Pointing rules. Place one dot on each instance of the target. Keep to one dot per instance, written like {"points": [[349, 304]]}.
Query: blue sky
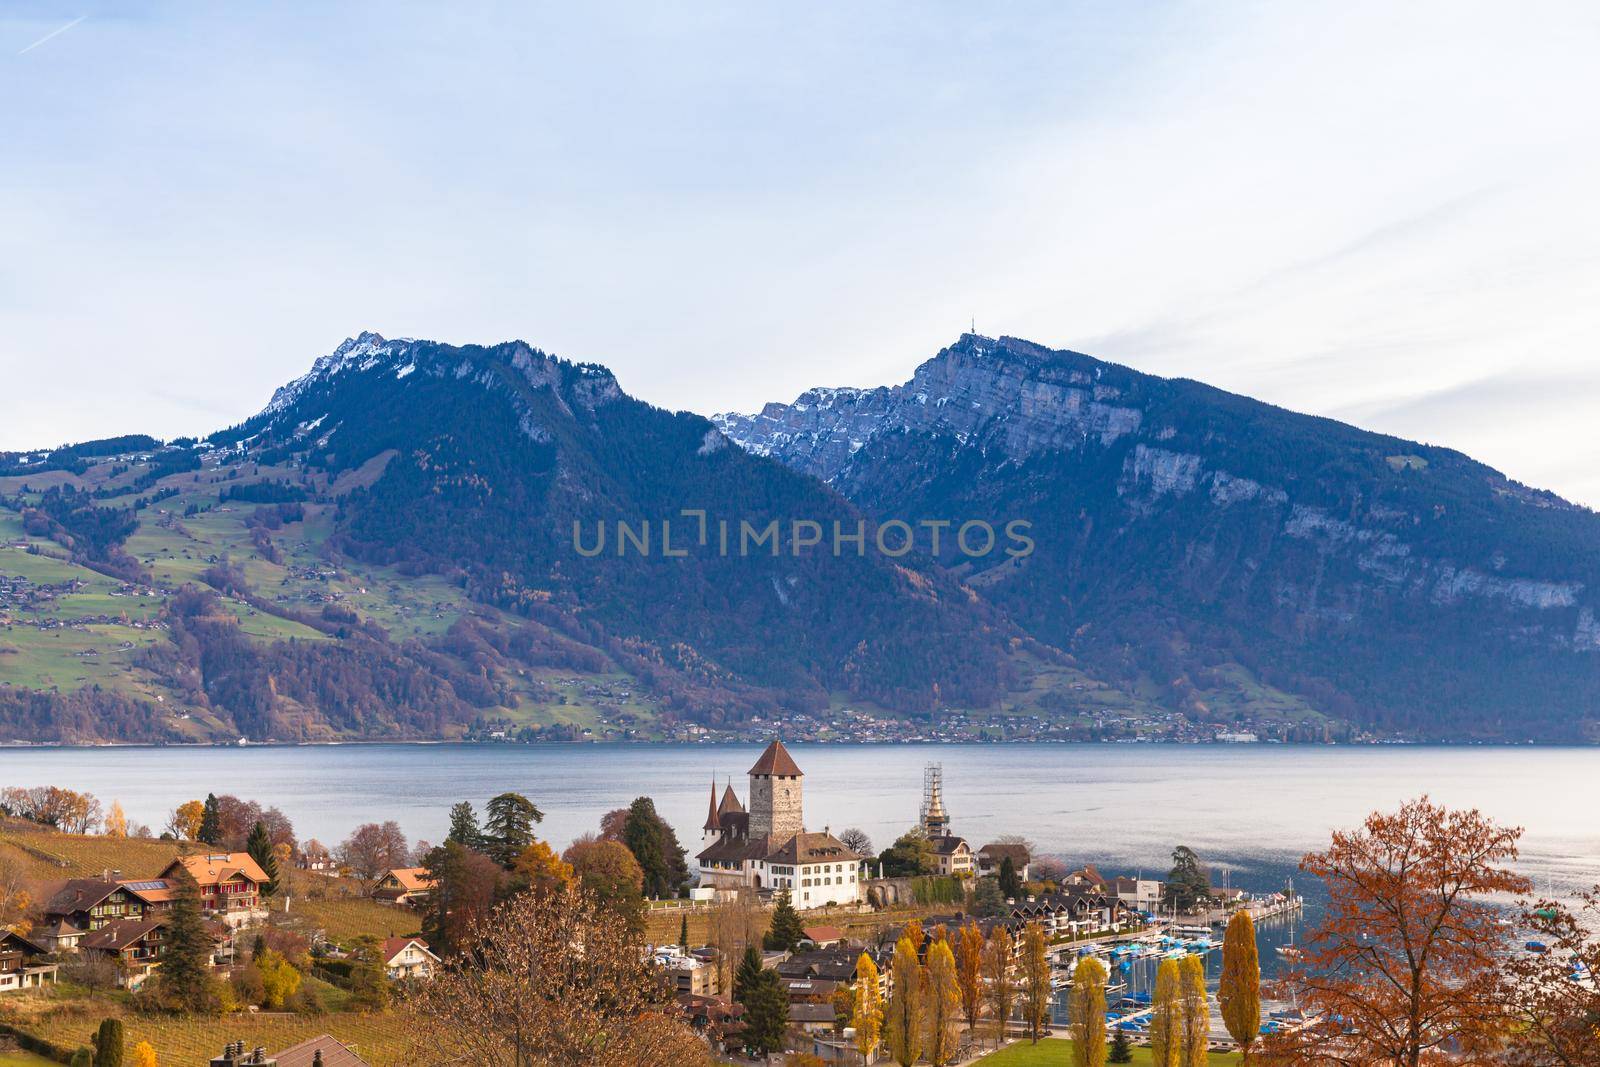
{"points": [[1383, 213]]}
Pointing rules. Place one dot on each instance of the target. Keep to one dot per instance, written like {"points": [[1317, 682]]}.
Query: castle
{"points": [[768, 848]]}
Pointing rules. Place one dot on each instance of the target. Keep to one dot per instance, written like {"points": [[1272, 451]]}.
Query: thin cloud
{"points": [[57, 32]]}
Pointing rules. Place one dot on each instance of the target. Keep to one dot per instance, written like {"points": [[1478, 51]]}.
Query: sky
{"points": [[1382, 213]]}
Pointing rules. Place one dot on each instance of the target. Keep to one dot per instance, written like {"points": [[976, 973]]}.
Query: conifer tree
{"points": [[1086, 1013], [748, 971], [108, 1041], [509, 828], [683, 931], [259, 845], [1166, 1017], [1240, 990], [210, 822], [785, 933], [464, 829], [81, 1058], [1121, 1048], [868, 1016], [942, 1003], [185, 975], [904, 1023], [1035, 980], [1010, 882], [1196, 1012], [766, 1005], [655, 845]]}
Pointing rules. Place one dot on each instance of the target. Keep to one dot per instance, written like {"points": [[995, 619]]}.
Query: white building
{"points": [[768, 847]]}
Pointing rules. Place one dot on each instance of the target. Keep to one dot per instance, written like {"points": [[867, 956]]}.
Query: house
{"points": [[768, 847], [135, 945], [953, 856], [836, 965], [324, 1050], [811, 1018], [404, 885], [22, 964], [824, 936], [86, 904], [408, 957], [991, 856], [230, 885], [694, 973], [1140, 894]]}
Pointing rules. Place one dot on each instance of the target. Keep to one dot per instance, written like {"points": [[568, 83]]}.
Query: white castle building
{"points": [[767, 847]]}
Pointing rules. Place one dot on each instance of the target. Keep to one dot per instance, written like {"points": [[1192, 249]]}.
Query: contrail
{"points": [[57, 32]]}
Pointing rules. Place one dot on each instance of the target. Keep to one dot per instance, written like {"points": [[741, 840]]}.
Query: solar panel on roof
{"points": [[146, 885]]}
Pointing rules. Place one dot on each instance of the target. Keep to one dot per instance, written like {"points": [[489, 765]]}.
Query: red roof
{"points": [[776, 760], [711, 817]]}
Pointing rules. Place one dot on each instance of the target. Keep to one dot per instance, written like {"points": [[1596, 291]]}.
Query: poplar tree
{"points": [[904, 1021], [1000, 984], [969, 971], [1086, 1013], [1035, 980], [868, 1016], [1196, 1011], [942, 1000], [1240, 990], [1166, 1017]]}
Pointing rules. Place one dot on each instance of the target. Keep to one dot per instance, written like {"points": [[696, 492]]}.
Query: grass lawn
{"points": [[25, 1059], [1057, 1052]]}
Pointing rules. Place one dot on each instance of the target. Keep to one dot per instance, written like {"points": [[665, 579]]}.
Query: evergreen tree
{"points": [[988, 901], [655, 845], [210, 822], [1239, 992], [1121, 1048], [509, 827], [464, 829], [785, 933], [82, 1058], [369, 984], [1086, 1013], [108, 1041], [766, 1013], [904, 1022], [683, 931], [1010, 882], [185, 975], [1187, 882], [748, 971], [259, 845]]}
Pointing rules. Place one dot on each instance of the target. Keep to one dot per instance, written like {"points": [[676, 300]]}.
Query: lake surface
{"points": [[1250, 811]]}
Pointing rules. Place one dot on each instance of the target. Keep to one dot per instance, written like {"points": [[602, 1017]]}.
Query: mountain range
{"points": [[407, 542]]}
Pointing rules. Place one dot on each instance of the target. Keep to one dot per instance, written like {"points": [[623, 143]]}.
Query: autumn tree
{"points": [[786, 932], [611, 877], [116, 825], [1086, 1013], [373, 849], [1196, 1012], [144, 1055], [465, 887], [999, 978], [1552, 1011], [904, 1020], [734, 924], [1166, 1016], [551, 982], [184, 822], [508, 827], [540, 870], [280, 981], [867, 1017], [856, 840], [1239, 991], [1407, 954], [969, 972], [16, 903], [941, 1004], [1035, 980]]}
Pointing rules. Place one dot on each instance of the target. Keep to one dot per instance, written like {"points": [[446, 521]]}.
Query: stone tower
{"points": [[775, 796]]}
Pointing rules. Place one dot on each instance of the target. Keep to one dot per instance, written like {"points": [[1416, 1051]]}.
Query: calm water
{"points": [[1249, 811]]}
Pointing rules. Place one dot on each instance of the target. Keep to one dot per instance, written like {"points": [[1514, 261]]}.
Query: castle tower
{"points": [[775, 796], [713, 827], [935, 820]]}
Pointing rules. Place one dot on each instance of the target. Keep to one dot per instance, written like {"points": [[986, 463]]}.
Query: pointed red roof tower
{"points": [[713, 824], [777, 761]]}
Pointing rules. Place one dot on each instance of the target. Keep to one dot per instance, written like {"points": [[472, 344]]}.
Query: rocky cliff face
{"points": [[1381, 576]]}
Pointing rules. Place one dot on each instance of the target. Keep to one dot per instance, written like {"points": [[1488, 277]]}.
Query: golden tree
{"points": [[551, 981], [1407, 953], [184, 822], [116, 821], [969, 970], [1035, 980], [1166, 1017], [1239, 992], [942, 1003], [913, 930], [905, 1021], [1196, 1011], [999, 978], [1086, 1013], [868, 1016], [542, 869], [144, 1055]]}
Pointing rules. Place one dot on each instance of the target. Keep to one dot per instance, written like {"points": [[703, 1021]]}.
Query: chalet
{"points": [[23, 964], [230, 885], [86, 904], [135, 945], [953, 856], [991, 856], [408, 957], [403, 885]]}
